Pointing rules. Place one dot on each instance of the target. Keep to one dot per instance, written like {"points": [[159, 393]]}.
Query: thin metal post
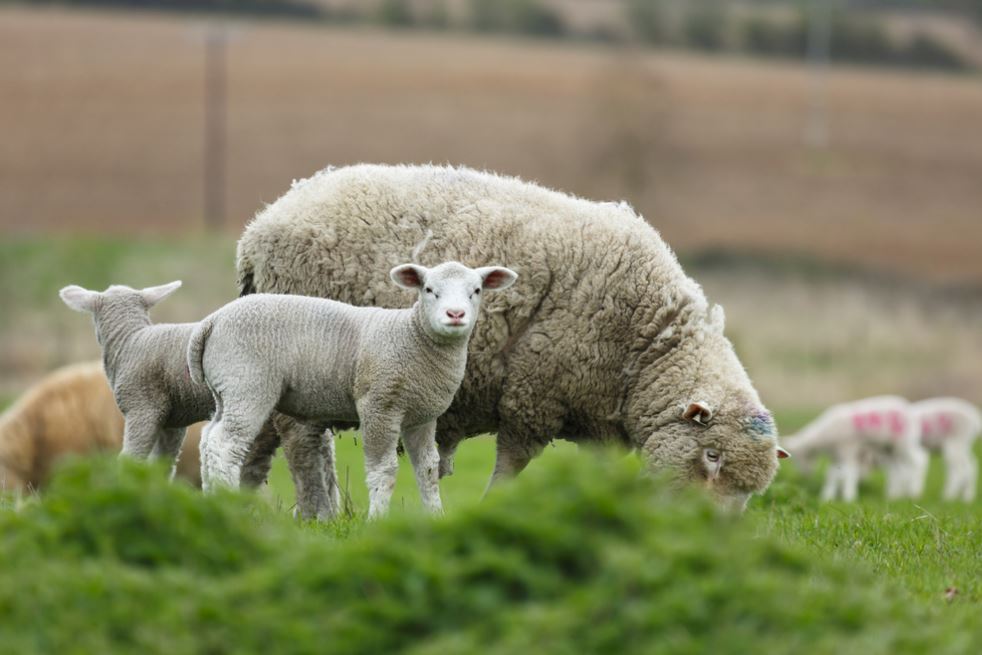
{"points": [[819, 41], [216, 43]]}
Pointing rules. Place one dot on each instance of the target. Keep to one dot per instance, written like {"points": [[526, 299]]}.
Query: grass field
{"points": [[106, 122]]}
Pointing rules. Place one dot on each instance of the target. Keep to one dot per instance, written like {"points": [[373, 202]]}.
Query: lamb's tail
{"points": [[196, 351]]}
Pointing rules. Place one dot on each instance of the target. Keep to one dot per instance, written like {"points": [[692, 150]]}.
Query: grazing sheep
{"points": [[325, 363], [71, 411], [852, 434], [605, 339], [950, 425], [146, 367]]}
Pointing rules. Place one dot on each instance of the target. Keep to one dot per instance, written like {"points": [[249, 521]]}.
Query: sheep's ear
{"points": [[408, 276], [497, 277], [153, 295], [782, 453], [698, 412], [79, 299]]}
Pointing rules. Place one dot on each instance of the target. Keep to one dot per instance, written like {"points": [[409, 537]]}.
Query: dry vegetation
{"points": [[103, 118]]}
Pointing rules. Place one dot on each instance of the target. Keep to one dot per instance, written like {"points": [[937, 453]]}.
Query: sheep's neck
{"points": [[115, 327]]}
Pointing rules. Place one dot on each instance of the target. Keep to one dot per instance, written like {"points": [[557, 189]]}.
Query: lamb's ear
{"points": [[782, 453], [408, 276], [79, 299], [699, 412], [153, 295], [497, 277]]}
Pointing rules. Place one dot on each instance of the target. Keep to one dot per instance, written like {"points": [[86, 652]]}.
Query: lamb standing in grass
{"points": [[605, 339], [146, 367], [850, 433], [950, 426], [70, 411], [323, 362]]}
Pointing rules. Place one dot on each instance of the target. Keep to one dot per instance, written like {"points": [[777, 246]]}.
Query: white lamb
{"points": [[146, 367], [323, 363], [850, 433], [950, 426]]}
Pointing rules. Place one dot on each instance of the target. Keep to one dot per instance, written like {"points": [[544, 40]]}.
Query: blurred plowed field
{"points": [[102, 118]]}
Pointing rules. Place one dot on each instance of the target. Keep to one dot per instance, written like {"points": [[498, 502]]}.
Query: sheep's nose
{"points": [[456, 314]]}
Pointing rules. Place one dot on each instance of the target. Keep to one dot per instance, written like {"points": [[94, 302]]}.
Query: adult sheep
{"points": [[604, 338], [71, 411]]}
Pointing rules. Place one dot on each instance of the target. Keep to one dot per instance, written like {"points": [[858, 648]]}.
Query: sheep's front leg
{"points": [[380, 434], [420, 443], [140, 434]]}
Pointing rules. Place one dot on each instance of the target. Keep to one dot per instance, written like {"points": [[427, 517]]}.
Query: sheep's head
{"points": [[116, 302], [450, 294], [732, 451]]}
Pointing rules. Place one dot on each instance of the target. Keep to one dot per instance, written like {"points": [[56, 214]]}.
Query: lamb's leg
{"points": [[140, 434], [168, 446], [230, 438], [380, 434], [310, 454], [896, 473], [255, 470], [446, 452], [850, 479], [420, 443], [831, 485]]}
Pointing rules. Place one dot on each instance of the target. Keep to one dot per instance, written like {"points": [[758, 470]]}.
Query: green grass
{"points": [[582, 556]]}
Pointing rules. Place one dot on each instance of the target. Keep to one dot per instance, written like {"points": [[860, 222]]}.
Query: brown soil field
{"points": [[102, 119]]}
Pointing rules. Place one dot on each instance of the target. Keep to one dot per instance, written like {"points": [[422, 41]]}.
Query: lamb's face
{"points": [[450, 294], [733, 454]]}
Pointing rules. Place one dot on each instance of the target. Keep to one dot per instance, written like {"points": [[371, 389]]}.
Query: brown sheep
{"points": [[71, 411]]}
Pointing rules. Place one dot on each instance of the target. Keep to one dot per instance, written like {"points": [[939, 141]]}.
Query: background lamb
{"points": [[604, 339], [71, 411], [950, 426], [856, 434], [323, 362], [146, 367]]}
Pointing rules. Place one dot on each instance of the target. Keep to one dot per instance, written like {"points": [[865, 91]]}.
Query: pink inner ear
{"points": [[410, 277], [494, 279]]}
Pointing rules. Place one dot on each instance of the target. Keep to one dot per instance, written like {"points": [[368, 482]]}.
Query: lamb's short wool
{"points": [[323, 363], [146, 367], [950, 426], [604, 339], [858, 434], [70, 411]]}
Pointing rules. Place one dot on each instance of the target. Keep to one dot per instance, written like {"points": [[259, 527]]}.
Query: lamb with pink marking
{"points": [[949, 426], [855, 434]]}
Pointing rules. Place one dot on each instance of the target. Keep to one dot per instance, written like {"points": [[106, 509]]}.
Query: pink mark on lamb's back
{"points": [[872, 421], [935, 427]]}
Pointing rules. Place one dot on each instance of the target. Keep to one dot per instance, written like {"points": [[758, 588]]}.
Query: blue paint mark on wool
{"points": [[761, 424]]}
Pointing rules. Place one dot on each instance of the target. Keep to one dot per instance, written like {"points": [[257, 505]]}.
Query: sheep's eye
{"points": [[429, 289], [477, 290], [712, 455]]}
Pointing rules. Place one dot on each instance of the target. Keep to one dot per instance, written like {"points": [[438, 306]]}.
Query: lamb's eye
{"points": [[712, 455], [478, 290], [429, 289]]}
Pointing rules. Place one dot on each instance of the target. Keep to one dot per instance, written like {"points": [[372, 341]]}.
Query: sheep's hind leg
{"points": [[168, 446], [420, 443], [230, 438], [140, 434], [255, 470], [310, 454]]}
